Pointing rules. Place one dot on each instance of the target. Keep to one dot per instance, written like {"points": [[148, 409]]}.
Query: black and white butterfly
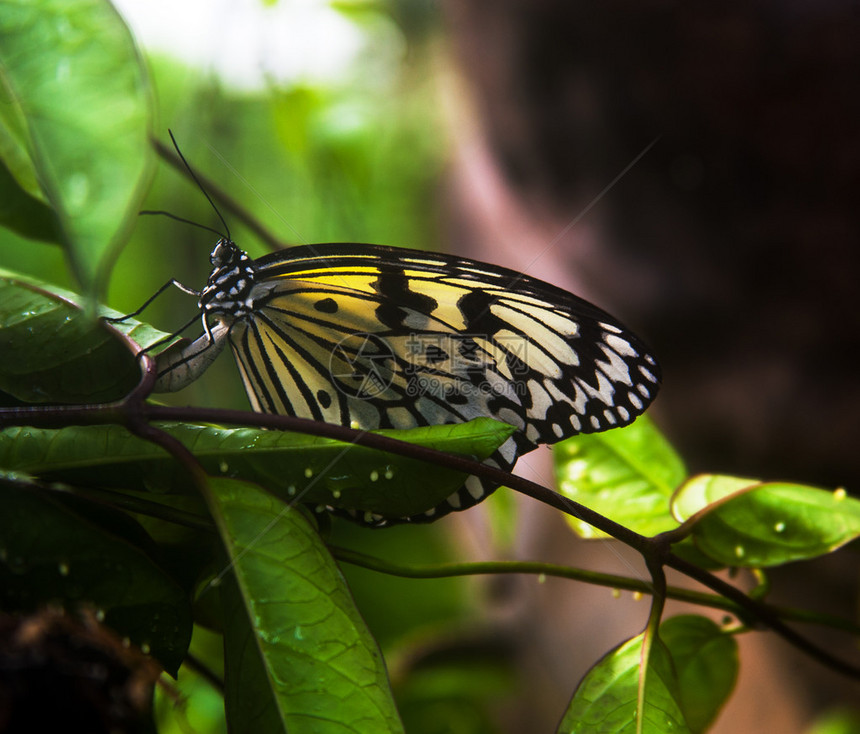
{"points": [[382, 337]]}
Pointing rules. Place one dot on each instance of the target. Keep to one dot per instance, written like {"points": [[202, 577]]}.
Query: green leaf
{"points": [[706, 665], [13, 143], [179, 525], [81, 111], [298, 655], [53, 553], [301, 468], [627, 474], [53, 352], [606, 701], [839, 720], [704, 491], [745, 522], [23, 213]]}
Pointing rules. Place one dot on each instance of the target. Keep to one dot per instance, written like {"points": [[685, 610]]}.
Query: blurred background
{"points": [[692, 168]]}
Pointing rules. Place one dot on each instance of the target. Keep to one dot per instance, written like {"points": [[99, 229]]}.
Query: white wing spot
{"points": [[576, 423], [400, 417], [634, 400], [616, 368], [538, 351], [508, 451], [605, 390], [454, 501], [577, 401], [506, 415], [644, 391], [610, 418], [540, 399], [475, 488], [609, 327], [557, 430], [623, 413], [620, 345], [647, 374], [595, 422]]}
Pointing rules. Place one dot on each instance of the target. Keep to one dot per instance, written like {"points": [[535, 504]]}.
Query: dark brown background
{"points": [[731, 246]]}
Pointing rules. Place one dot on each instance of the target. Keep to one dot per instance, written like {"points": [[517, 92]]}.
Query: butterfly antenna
{"points": [[182, 219], [199, 185]]}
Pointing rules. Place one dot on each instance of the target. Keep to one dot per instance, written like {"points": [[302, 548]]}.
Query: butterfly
{"points": [[372, 336]]}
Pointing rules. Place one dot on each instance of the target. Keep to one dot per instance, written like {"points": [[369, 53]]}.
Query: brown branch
{"points": [[656, 551], [230, 204]]}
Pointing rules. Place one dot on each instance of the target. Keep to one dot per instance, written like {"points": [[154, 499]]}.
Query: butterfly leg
{"points": [[172, 282]]}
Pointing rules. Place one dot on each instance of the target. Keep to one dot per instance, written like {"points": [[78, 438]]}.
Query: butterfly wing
{"points": [[382, 337]]}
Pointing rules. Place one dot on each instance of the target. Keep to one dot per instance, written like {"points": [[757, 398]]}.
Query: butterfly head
{"points": [[225, 254], [229, 286]]}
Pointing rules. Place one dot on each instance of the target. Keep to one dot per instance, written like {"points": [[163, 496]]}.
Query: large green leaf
{"points": [[706, 666], [54, 553], [54, 353], [302, 468], [79, 109], [14, 146], [627, 474], [23, 213], [607, 699], [745, 522], [298, 655]]}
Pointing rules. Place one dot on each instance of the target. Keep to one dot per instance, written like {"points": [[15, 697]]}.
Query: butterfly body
{"points": [[382, 337]]}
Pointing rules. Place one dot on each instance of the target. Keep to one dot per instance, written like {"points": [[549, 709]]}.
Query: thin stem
{"points": [[115, 413], [596, 578], [192, 662], [762, 613], [137, 415], [650, 637], [137, 505]]}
